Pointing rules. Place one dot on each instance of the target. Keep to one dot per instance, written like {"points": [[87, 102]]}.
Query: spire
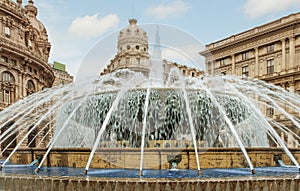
{"points": [[30, 8]]}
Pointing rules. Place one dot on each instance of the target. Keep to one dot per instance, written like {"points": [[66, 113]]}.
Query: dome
{"points": [[132, 36], [32, 11]]}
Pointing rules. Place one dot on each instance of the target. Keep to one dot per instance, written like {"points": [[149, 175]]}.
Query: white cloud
{"points": [[258, 8], [93, 26], [166, 10]]}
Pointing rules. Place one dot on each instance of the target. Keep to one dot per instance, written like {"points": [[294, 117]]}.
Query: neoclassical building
{"points": [[133, 53], [24, 52], [270, 52]]}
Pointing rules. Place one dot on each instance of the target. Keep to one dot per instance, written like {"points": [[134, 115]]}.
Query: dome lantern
{"points": [[30, 8]]}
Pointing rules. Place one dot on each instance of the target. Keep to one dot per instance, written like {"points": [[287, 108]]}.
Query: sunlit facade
{"points": [[270, 52], [24, 52]]}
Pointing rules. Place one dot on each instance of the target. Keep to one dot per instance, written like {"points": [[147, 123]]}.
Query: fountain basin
{"points": [[156, 158]]}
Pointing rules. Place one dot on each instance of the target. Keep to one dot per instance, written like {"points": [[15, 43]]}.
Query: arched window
{"points": [[7, 77], [30, 87], [7, 89]]}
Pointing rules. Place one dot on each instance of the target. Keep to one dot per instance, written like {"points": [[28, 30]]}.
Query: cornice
{"points": [[257, 32]]}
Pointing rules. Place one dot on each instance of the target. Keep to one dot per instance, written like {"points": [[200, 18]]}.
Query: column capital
{"points": [[292, 37]]}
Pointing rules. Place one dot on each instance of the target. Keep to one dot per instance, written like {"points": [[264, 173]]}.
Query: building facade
{"points": [[62, 77], [24, 52], [270, 52], [133, 54]]}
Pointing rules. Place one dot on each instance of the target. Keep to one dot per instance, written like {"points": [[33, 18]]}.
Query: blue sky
{"points": [[75, 26]]}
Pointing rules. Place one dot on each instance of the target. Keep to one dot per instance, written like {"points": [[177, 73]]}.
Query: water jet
{"points": [[128, 125]]}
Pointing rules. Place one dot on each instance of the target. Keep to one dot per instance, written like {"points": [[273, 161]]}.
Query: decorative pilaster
{"points": [[256, 62], [292, 52], [283, 56], [23, 86], [233, 64]]}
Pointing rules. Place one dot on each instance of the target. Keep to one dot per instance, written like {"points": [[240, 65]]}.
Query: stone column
{"points": [[19, 94], [233, 64], [23, 85], [212, 67], [292, 52], [283, 56], [256, 63], [208, 65]]}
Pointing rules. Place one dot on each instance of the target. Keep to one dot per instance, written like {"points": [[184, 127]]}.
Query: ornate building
{"points": [[133, 53], [24, 52], [270, 52]]}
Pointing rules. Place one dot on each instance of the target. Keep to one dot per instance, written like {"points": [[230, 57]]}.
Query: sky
{"points": [[76, 26]]}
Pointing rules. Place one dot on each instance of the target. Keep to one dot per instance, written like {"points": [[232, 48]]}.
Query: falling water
{"points": [[231, 126], [144, 129], [139, 111], [221, 108]]}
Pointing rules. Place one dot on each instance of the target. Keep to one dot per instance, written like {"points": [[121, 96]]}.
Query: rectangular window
{"points": [[7, 31], [127, 61], [270, 109], [270, 48], [193, 74], [138, 61], [245, 71], [245, 55], [223, 73], [183, 72], [30, 43], [270, 66], [223, 62], [7, 96]]}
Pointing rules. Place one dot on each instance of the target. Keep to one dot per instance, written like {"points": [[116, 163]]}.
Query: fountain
{"points": [[151, 133]]}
